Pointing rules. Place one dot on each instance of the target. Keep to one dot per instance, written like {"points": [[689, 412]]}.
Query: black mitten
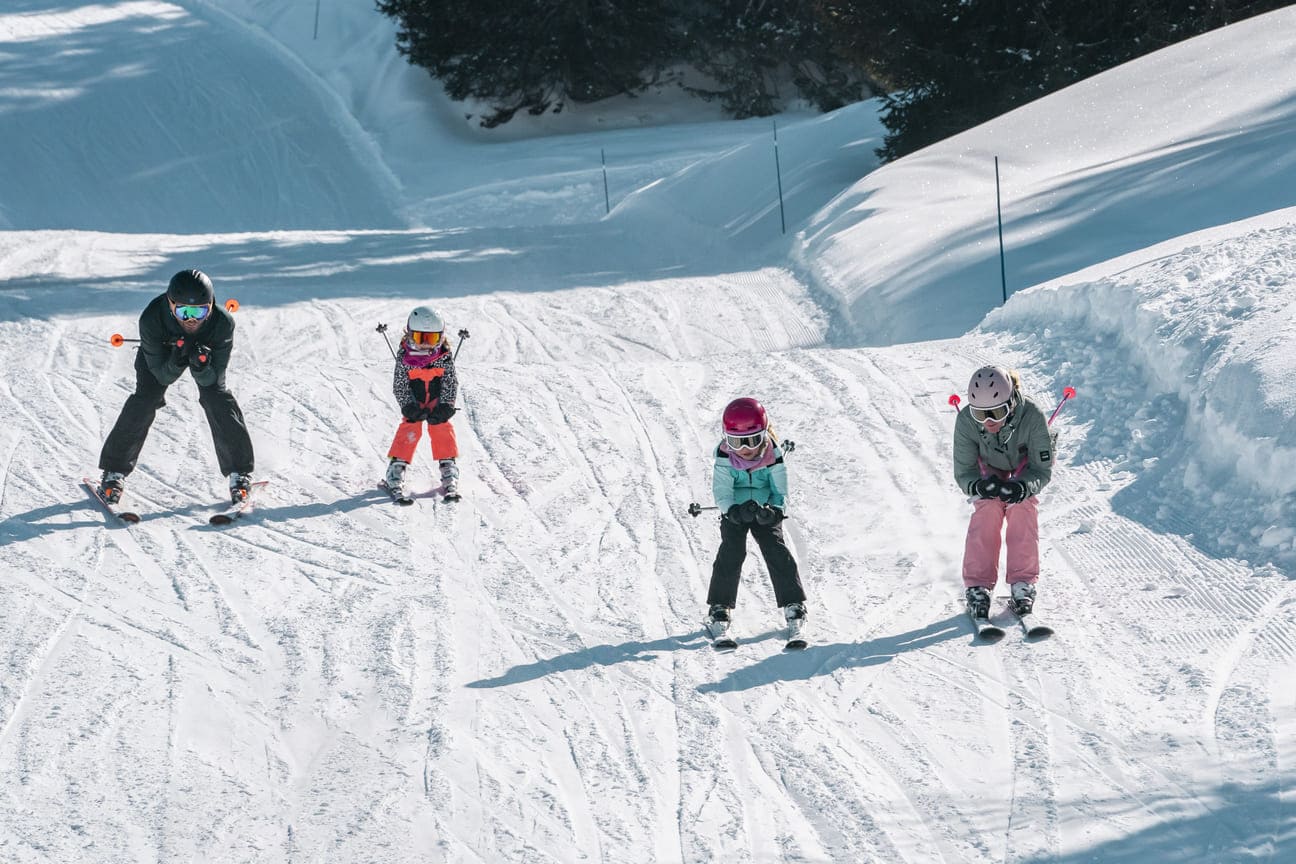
{"points": [[768, 515], [179, 355], [441, 412], [986, 487], [413, 412], [199, 357], [1012, 491]]}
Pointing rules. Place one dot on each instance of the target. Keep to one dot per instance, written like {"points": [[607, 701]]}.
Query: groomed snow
{"points": [[523, 676]]}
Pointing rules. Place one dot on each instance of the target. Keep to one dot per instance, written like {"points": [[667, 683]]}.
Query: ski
{"points": [[239, 510], [986, 629], [1030, 625], [398, 494], [126, 516]]}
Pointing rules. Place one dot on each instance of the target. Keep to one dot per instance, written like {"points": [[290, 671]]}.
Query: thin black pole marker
{"points": [[607, 202], [1003, 275], [463, 335], [778, 174]]}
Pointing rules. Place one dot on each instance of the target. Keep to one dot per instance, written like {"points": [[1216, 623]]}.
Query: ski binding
{"points": [[398, 494], [126, 516], [239, 510]]}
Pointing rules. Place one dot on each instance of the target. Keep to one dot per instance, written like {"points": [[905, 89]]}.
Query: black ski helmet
{"points": [[191, 288]]}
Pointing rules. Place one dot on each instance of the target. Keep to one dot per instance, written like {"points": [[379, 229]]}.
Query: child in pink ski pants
{"points": [[1003, 456]]}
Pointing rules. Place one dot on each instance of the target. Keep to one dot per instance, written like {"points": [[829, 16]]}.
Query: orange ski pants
{"points": [[440, 435]]}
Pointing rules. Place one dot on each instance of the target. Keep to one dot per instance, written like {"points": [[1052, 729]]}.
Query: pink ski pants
{"points": [[981, 552]]}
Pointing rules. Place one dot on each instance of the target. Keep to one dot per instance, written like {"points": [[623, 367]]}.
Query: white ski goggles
{"points": [[998, 413], [736, 442]]}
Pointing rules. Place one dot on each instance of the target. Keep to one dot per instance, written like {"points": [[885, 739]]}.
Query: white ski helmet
{"points": [[423, 329], [990, 387]]}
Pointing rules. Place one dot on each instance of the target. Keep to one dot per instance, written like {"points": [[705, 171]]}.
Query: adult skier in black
{"points": [[180, 330]]}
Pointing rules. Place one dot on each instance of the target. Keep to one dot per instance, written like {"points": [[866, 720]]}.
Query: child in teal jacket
{"points": [[750, 487]]}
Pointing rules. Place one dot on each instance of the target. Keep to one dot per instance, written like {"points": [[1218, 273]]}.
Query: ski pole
{"points": [[117, 340], [695, 508], [955, 400], [463, 335], [382, 328], [1067, 394]]}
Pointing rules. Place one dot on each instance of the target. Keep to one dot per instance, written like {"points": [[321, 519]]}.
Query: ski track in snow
{"points": [[523, 675]]}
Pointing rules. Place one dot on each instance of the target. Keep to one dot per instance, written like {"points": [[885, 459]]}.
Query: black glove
{"points": [[413, 412], [1012, 491], [179, 355], [734, 514], [986, 487], [750, 509], [199, 357], [769, 515], [441, 412]]}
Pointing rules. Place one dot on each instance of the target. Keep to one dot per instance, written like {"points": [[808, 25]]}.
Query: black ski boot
{"points": [[978, 602]]}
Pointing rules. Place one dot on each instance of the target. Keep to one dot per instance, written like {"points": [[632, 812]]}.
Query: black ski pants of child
{"points": [[727, 569], [229, 431]]}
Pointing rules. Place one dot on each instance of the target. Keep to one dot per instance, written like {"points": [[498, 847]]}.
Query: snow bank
{"points": [[1205, 332], [1190, 137]]}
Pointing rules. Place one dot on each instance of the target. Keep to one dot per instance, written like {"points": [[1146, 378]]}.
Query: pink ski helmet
{"points": [[990, 387], [744, 416]]}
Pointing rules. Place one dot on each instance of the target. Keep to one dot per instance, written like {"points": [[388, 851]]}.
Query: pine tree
{"points": [[535, 54], [951, 64]]}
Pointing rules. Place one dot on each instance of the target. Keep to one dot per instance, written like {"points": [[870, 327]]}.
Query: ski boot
{"points": [[1023, 597], [717, 621], [978, 602], [395, 478], [112, 485], [795, 613], [240, 486], [449, 479]]}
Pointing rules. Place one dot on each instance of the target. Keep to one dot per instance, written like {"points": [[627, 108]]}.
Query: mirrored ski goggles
{"points": [[998, 413], [748, 441], [423, 337], [191, 313]]}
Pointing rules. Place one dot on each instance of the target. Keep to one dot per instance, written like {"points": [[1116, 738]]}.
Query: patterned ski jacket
{"points": [[425, 379], [1021, 447], [159, 330], [764, 485]]}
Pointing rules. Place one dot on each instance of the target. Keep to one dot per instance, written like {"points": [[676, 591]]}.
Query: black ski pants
{"points": [[727, 569], [229, 432]]}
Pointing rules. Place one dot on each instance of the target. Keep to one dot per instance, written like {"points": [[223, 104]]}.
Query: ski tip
{"points": [[796, 645], [725, 646], [132, 518]]}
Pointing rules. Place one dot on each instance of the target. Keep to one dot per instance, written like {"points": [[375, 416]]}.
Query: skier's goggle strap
{"points": [[191, 313], [423, 337], [753, 440], [998, 413]]}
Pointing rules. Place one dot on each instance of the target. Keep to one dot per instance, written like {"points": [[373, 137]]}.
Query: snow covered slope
{"points": [[523, 676], [1195, 136]]}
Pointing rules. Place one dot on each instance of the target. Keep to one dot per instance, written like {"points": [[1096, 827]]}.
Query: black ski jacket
{"points": [[159, 330]]}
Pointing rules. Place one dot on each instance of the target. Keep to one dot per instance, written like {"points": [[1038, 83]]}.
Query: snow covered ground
{"points": [[523, 676]]}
